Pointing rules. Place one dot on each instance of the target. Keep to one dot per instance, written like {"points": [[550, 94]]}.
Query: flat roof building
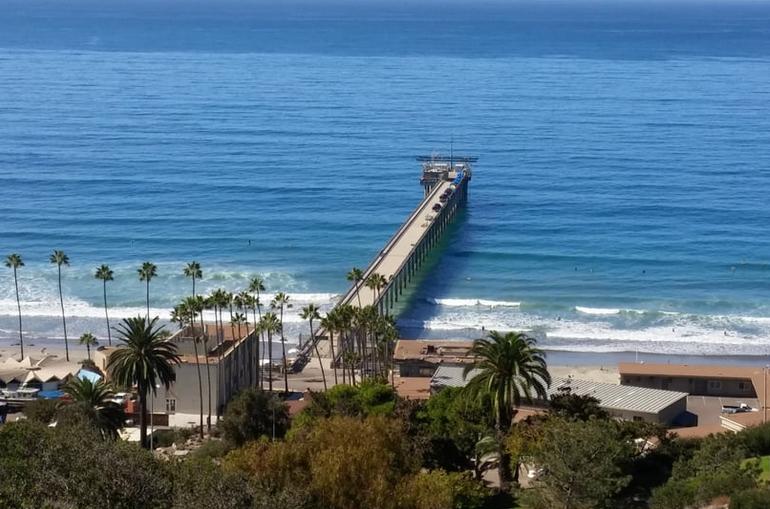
{"points": [[622, 402], [421, 357]]}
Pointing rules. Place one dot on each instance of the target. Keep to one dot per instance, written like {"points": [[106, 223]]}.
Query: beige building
{"points": [[228, 368], [421, 357], [698, 380]]}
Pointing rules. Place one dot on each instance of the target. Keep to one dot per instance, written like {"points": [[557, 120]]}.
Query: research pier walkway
{"points": [[445, 181]]}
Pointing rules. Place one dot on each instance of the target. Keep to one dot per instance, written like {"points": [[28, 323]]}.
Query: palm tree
{"points": [[14, 261], [376, 282], [356, 275], [144, 359], [257, 286], [188, 310], [88, 340], [147, 271], [270, 325], [193, 270], [105, 274], [59, 258], [329, 324], [96, 399], [509, 368], [310, 313], [280, 301]]}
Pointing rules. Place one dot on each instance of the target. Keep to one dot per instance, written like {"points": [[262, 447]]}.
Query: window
{"points": [[637, 418], [170, 406], [715, 385], [744, 387]]}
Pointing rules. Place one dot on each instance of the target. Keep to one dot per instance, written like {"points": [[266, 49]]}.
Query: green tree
{"points": [[193, 271], [454, 424], [310, 313], [437, 489], [58, 258], [269, 324], [88, 340], [144, 359], [509, 368], [104, 273], [574, 406], [14, 261], [329, 323], [95, 399], [253, 414], [582, 464], [147, 271], [201, 483], [73, 467], [187, 311], [356, 276], [257, 286], [281, 301], [41, 410]]}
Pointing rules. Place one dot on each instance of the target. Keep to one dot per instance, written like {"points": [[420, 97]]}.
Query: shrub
{"points": [[438, 489], [41, 410], [252, 414]]}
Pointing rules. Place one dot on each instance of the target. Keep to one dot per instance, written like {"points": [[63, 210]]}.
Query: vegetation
{"points": [[88, 340], [59, 258], [13, 261], [509, 368], [104, 273], [144, 360], [253, 414], [94, 400]]}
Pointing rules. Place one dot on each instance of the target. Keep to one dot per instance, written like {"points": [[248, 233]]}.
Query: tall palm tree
{"points": [[257, 286], [310, 313], [88, 340], [96, 399], [280, 301], [510, 368], [193, 271], [147, 271], [376, 282], [104, 273], [329, 324], [144, 359], [59, 258], [355, 276], [270, 325], [14, 261], [188, 310]]}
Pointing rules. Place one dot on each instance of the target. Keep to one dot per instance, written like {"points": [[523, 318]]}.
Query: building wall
{"points": [[700, 386], [665, 416], [183, 396], [416, 368]]}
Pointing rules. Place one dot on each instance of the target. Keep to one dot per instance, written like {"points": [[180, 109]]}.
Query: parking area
{"points": [[708, 408]]}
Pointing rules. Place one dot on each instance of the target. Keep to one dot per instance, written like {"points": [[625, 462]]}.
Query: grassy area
{"points": [[764, 465]]}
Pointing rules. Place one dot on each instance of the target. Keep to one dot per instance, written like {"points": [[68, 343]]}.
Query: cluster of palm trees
{"points": [[14, 261]]}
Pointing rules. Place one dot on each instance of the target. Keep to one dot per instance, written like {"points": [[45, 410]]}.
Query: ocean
{"points": [[619, 204]]}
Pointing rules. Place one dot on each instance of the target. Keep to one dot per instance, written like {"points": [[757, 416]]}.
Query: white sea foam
{"points": [[597, 311], [474, 302]]}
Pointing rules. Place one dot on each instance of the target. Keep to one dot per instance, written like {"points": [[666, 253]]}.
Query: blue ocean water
{"points": [[620, 201]]}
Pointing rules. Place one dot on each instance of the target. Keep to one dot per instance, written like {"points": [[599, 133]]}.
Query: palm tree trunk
{"points": [[106, 315], [220, 341], [18, 305], [88, 349], [262, 340], [283, 349], [142, 415], [270, 360], [208, 370], [334, 358], [257, 365], [318, 354], [63, 319], [200, 379], [148, 300]]}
